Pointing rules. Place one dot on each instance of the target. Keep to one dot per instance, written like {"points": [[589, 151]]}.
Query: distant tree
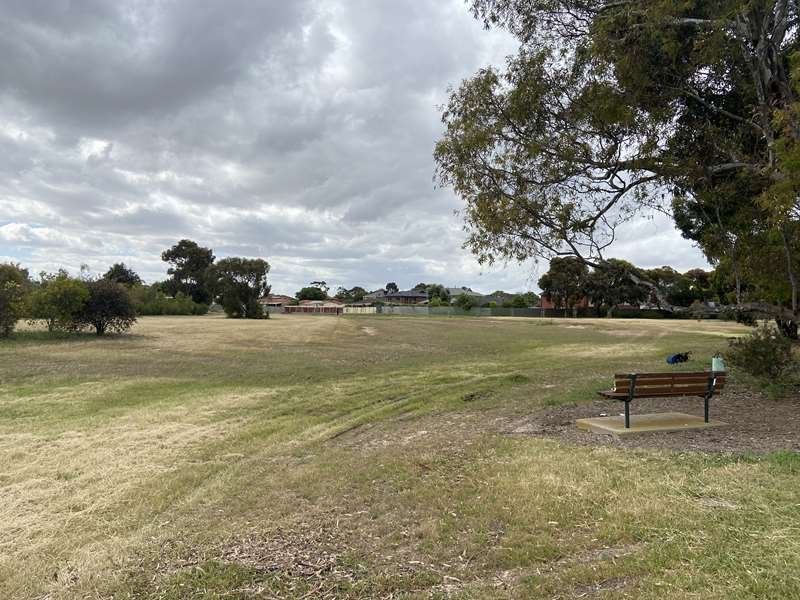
{"points": [[58, 299], [435, 302], [465, 301], [122, 274], [532, 298], [189, 271], [391, 288], [612, 285], [321, 285], [433, 290], [311, 293], [437, 290], [564, 282], [14, 285], [519, 301], [108, 308], [354, 294], [238, 284]]}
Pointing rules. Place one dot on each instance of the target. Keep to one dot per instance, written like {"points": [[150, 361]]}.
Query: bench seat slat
{"points": [[677, 386]]}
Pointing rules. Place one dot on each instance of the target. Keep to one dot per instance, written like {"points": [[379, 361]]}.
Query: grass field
{"points": [[365, 457]]}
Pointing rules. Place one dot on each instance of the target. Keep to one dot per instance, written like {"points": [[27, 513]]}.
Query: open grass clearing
{"points": [[368, 457]]}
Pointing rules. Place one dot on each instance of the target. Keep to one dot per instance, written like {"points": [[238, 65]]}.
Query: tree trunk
{"points": [[787, 328], [790, 268]]}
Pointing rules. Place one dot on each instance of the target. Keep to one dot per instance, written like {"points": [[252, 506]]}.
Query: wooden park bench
{"points": [[629, 386]]}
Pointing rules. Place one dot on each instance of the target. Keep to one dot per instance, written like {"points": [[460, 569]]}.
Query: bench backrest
{"points": [[668, 384]]}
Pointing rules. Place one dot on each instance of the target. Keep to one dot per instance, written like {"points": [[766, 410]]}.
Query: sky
{"points": [[297, 131]]}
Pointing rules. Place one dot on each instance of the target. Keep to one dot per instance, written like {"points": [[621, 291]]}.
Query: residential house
{"points": [[547, 302], [405, 297], [329, 306], [497, 298], [455, 292], [375, 296], [275, 300]]}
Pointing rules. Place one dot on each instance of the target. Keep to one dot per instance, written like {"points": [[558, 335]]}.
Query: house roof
{"points": [[329, 302], [457, 291], [407, 294], [276, 299]]}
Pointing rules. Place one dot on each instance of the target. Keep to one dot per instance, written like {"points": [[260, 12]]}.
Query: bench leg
{"points": [[627, 414], [705, 414]]}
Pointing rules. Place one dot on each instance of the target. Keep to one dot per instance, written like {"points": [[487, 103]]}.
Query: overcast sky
{"points": [[297, 131]]}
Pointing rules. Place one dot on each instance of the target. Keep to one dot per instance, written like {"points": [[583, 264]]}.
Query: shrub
{"points": [[731, 313], [150, 302], [762, 353], [435, 301], [58, 300], [14, 285], [519, 301], [465, 302], [108, 308]]}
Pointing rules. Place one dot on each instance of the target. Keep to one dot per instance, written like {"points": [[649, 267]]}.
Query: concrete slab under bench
{"points": [[672, 421]]}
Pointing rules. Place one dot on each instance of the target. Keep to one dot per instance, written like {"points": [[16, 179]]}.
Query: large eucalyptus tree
{"points": [[612, 107]]}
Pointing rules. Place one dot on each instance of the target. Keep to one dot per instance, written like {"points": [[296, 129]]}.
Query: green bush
{"points": [[519, 301], [465, 302], [762, 353], [108, 308], [14, 285], [730, 313], [150, 301], [58, 300]]}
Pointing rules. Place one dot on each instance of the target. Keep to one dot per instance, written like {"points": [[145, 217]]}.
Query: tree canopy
{"points": [[123, 274], [612, 285], [188, 272], [238, 284], [311, 292], [58, 299], [614, 107], [354, 294], [564, 283], [108, 307], [14, 283]]}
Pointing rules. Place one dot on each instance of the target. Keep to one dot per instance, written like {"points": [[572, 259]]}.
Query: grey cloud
{"points": [[301, 131]]}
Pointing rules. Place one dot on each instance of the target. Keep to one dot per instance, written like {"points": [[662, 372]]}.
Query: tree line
{"points": [[111, 302], [436, 294], [569, 281]]}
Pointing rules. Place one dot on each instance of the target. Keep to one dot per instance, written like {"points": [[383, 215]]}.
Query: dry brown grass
{"points": [[203, 457]]}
